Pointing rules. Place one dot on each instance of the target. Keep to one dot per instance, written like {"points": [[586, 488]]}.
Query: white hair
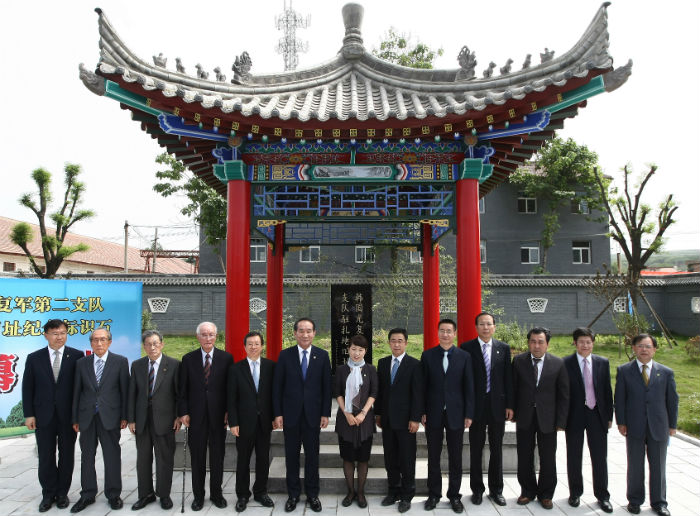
{"points": [[199, 327]]}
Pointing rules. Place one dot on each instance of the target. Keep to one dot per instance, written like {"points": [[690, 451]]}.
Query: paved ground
{"points": [[20, 492]]}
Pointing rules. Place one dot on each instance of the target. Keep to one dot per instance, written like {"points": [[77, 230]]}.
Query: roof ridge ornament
{"points": [[91, 80], [352, 42], [467, 61], [617, 77]]}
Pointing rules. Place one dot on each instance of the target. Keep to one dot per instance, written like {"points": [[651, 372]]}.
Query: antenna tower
{"points": [[289, 46]]}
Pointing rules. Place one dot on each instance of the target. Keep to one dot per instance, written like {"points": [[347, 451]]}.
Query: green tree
{"points": [[16, 416], [205, 205], [52, 241], [399, 49], [563, 171]]}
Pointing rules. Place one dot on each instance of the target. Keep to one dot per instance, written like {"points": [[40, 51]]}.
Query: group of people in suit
{"points": [[451, 389]]}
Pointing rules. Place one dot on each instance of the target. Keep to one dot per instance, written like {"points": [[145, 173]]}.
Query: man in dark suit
{"points": [[202, 408], [541, 388], [302, 406], [590, 411], [152, 415], [250, 419], [449, 409], [100, 395], [398, 410], [493, 394], [646, 410], [47, 399]]}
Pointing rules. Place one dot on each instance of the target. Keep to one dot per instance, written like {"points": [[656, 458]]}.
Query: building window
{"points": [[158, 305], [695, 305], [580, 206], [530, 252], [416, 257], [258, 252], [311, 254], [582, 252], [482, 251], [482, 206], [537, 305], [620, 304], [8, 267], [527, 204], [257, 305], [364, 254]]}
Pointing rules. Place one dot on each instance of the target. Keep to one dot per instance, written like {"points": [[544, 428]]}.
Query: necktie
{"points": [[536, 361], [100, 365], [256, 375], [56, 365], [445, 362], [588, 383], [207, 368], [151, 379], [487, 365], [645, 376], [394, 368], [304, 364]]}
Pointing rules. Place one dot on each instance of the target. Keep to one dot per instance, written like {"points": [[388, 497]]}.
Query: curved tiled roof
{"points": [[355, 85]]}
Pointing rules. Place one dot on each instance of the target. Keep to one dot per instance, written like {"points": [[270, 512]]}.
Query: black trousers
{"points": [[400, 460], [597, 435], [148, 444], [111, 453], [260, 442], [55, 478], [478, 431], [294, 437], [203, 435], [530, 485], [455, 443]]}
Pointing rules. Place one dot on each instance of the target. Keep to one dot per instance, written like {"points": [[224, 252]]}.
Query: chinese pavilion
{"points": [[354, 151]]}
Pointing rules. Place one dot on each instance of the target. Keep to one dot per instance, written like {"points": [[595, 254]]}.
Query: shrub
{"points": [[512, 333], [692, 347]]}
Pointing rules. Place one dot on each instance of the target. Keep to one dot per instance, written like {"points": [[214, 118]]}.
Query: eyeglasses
{"points": [[644, 346]]}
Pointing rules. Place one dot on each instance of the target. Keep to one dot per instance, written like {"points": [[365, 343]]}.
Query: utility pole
{"points": [[126, 247], [155, 251], [289, 46]]}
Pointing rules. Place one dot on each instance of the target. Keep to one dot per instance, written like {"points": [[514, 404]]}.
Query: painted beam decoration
{"points": [[26, 305]]}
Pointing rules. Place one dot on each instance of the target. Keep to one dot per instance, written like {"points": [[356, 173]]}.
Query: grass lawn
{"points": [[14, 431], [686, 369]]}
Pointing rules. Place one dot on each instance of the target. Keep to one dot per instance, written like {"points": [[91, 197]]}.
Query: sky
{"points": [[50, 118]]}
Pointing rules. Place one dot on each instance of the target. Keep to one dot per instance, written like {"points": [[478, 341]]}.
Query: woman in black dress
{"points": [[356, 386]]}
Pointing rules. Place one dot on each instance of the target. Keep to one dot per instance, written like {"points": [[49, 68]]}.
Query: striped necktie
{"points": [[394, 368], [207, 368], [56, 364], [151, 379], [487, 365], [100, 365]]}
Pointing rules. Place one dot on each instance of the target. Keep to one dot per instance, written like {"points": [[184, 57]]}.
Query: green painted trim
{"points": [[471, 168], [596, 86], [113, 91], [486, 172], [230, 171]]}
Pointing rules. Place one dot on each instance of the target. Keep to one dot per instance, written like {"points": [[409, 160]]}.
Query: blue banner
{"points": [[26, 305]]}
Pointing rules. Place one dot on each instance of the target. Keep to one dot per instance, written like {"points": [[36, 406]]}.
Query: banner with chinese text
{"points": [[351, 314], [26, 305]]}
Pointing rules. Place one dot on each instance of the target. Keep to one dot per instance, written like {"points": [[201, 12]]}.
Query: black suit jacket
{"points": [[549, 399], [402, 401], [164, 399], [577, 392], [501, 379], [111, 395], [245, 404], [42, 397], [199, 399], [452, 390], [292, 395]]}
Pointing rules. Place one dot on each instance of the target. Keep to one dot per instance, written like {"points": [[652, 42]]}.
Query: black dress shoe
{"points": [[264, 500], [116, 503], [574, 501], [605, 506], [241, 504], [62, 501], [291, 504], [46, 503], [347, 501], [390, 499], [457, 505], [81, 504], [477, 498], [661, 511], [143, 502], [498, 499], [197, 504], [431, 503], [361, 501], [632, 508], [166, 503], [219, 501], [314, 504], [404, 505]]}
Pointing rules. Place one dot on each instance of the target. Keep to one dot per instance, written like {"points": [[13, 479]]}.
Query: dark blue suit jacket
{"points": [[577, 392], [453, 391], [501, 379], [294, 396]]}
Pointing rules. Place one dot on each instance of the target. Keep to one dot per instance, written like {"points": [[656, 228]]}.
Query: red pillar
{"points": [[431, 288], [275, 277], [468, 258], [237, 266]]}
